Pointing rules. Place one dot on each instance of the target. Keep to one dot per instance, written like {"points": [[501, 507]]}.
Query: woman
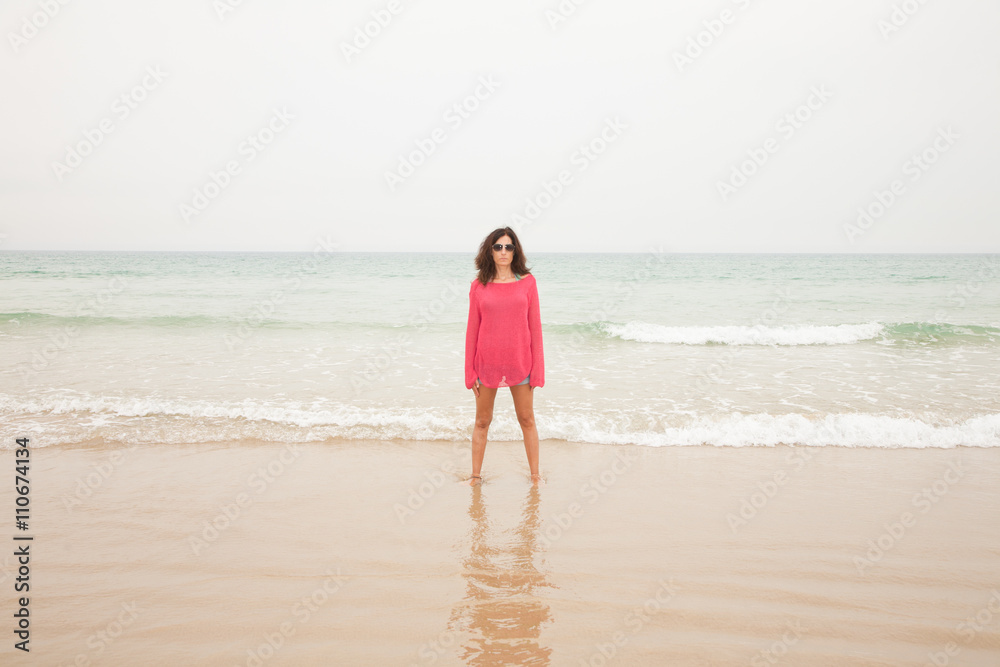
{"points": [[503, 343]]}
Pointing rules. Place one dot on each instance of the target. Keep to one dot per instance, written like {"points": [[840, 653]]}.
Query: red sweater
{"points": [[503, 341]]}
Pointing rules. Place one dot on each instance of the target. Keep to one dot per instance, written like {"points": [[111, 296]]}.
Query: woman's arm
{"points": [[535, 329], [471, 337]]}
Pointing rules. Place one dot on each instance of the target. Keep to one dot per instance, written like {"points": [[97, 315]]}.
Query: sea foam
{"points": [[806, 334], [68, 420]]}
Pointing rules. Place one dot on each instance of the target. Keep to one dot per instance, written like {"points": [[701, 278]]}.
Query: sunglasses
{"points": [[500, 246]]}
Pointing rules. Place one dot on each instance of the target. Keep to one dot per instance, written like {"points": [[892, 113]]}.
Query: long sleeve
{"points": [[535, 329], [471, 337]]}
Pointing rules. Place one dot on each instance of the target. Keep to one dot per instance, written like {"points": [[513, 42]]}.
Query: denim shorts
{"points": [[524, 381]]}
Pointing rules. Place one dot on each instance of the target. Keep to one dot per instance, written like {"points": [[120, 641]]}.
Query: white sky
{"points": [[655, 185]]}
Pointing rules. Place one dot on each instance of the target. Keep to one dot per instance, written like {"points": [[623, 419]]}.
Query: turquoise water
{"points": [[654, 348]]}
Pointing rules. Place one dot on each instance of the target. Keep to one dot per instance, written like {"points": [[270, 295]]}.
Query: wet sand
{"points": [[374, 553]]}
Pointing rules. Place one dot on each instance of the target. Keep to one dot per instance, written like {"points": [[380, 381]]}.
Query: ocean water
{"points": [[657, 349]]}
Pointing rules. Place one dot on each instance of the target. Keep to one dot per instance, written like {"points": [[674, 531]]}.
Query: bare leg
{"points": [[484, 416], [523, 396]]}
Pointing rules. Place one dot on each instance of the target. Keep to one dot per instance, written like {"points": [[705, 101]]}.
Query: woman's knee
{"points": [[484, 421], [526, 421]]}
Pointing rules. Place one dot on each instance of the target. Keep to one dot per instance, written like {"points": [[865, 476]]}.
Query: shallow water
{"points": [[653, 349]]}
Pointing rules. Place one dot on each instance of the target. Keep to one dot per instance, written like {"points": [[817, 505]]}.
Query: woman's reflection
{"points": [[500, 615]]}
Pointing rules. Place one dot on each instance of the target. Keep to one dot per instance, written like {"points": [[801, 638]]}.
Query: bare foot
{"points": [[536, 480], [475, 480]]}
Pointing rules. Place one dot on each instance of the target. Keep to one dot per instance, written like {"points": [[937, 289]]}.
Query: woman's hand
{"points": [[475, 387]]}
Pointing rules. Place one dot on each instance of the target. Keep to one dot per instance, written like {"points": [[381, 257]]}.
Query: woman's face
{"points": [[503, 256]]}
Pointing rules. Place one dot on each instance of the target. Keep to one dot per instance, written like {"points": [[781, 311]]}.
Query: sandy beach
{"points": [[374, 553]]}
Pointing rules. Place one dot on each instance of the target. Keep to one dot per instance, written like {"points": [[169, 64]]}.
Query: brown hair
{"points": [[484, 259]]}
